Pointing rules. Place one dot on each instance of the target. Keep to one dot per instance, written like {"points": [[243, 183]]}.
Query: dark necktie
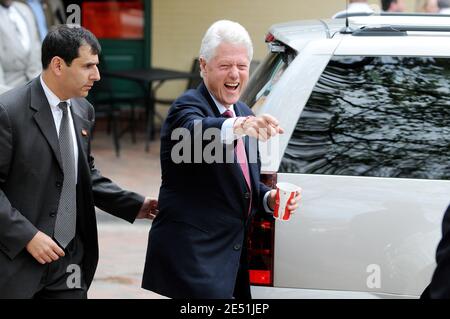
{"points": [[241, 157], [66, 219]]}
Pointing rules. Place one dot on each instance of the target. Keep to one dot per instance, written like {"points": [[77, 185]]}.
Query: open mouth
{"points": [[232, 86]]}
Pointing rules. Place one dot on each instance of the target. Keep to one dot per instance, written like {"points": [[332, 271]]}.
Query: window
{"points": [[264, 80], [376, 116]]}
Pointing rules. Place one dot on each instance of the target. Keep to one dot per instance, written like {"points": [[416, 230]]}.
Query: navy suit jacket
{"points": [[196, 240]]}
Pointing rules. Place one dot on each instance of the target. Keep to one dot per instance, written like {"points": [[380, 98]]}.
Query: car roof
{"points": [[296, 34]]}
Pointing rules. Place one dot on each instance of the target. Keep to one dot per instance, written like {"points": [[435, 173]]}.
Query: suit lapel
{"points": [[204, 91], [44, 118]]}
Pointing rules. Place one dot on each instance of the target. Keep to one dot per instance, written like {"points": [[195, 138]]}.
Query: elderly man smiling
{"points": [[197, 244]]}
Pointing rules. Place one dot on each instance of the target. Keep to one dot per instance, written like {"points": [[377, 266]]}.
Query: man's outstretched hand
{"points": [[262, 127]]}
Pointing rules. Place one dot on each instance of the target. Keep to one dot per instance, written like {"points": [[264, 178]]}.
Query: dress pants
{"points": [[242, 286]]}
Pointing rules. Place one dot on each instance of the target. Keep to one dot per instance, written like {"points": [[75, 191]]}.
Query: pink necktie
{"points": [[240, 154]]}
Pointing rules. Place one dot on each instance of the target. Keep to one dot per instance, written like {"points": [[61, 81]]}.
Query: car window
{"points": [[376, 116], [265, 79]]}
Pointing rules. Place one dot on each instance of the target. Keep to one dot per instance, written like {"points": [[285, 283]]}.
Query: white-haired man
{"points": [[197, 244]]}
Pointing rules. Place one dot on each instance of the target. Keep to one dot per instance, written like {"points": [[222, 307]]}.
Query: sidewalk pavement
{"points": [[123, 245]]}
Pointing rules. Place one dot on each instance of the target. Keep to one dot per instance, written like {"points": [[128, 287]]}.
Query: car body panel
{"points": [[261, 292], [298, 34], [346, 224], [429, 21], [437, 46]]}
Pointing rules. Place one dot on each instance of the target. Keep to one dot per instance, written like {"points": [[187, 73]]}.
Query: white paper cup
{"points": [[285, 193]]}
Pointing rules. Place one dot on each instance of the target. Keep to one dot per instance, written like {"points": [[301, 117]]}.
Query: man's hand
{"points": [[292, 206], [261, 127], [44, 249], [149, 209]]}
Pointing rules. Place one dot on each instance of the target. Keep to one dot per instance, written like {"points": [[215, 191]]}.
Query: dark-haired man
{"points": [[48, 182]]}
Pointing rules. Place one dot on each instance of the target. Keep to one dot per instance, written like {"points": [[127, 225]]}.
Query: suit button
{"points": [[246, 195], [52, 214], [237, 247], [58, 184]]}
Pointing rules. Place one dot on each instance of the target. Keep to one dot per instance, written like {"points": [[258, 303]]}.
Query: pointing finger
{"points": [[270, 119]]}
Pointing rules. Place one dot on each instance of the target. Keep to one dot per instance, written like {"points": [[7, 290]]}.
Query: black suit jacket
{"points": [[31, 179], [439, 288], [196, 240]]}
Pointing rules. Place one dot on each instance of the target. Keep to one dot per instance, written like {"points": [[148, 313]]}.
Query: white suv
{"points": [[366, 111]]}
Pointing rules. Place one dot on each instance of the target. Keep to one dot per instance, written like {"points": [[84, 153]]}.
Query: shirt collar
{"points": [[53, 100], [220, 106]]}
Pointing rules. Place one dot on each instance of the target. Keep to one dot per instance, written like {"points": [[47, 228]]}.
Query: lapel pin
{"points": [[84, 132]]}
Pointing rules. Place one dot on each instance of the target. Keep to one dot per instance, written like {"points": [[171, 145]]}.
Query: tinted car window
{"points": [[265, 78], [376, 116]]}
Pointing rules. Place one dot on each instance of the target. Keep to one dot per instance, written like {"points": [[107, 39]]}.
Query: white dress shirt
{"points": [[226, 131], [53, 100]]}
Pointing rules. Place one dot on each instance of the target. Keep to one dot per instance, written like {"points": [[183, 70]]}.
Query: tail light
{"points": [[269, 38], [261, 243], [273, 44]]}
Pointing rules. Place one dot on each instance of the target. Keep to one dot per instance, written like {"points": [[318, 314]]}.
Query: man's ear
{"points": [[57, 64], [202, 62]]}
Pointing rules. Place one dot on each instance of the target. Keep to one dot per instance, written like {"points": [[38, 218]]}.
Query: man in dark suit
{"points": [[48, 182], [439, 288], [197, 243]]}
